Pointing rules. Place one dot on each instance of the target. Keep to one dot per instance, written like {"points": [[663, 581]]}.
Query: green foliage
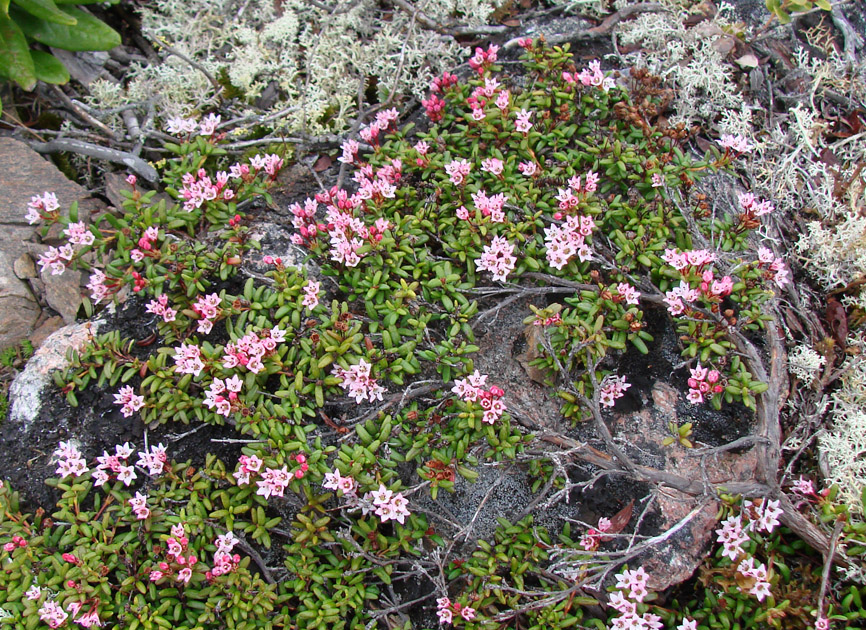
{"points": [[24, 23], [406, 287], [783, 9]]}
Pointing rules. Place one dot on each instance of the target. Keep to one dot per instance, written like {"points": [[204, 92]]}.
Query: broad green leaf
{"points": [[47, 10], [15, 60], [49, 68], [88, 34]]}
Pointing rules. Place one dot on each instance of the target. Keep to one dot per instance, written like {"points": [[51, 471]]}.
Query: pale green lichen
{"points": [[318, 59]]}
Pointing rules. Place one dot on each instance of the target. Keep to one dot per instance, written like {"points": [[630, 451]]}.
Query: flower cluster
{"points": [[56, 259], [78, 234], [15, 543], [52, 614], [695, 259], [44, 207], [754, 578], [433, 106], [634, 583], [384, 120], [737, 144], [703, 382], [273, 481], [388, 505], [98, 286], [199, 188], [180, 564], [488, 206], [138, 503], [250, 350], [161, 308], [208, 309], [270, 163], [590, 76], [335, 481], [116, 465], [763, 516], [775, 266], [679, 296], [447, 611], [377, 185], [145, 244], [224, 561], [595, 535], [566, 240], [457, 171], [472, 389], [187, 356], [358, 382], [311, 295], [612, 387], [153, 458], [523, 126], [483, 59], [628, 293], [69, 461], [131, 401], [497, 258], [752, 207], [179, 125], [222, 395]]}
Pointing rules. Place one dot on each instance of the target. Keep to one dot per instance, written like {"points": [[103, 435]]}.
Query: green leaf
{"points": [[49, 68], [15, 60], [47, 10], [88, 34]]}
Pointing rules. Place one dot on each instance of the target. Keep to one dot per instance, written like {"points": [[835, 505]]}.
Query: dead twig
{"points": [[130, 161]]}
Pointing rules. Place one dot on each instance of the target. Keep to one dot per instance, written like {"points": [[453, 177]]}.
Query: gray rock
{"points": [[25, 393], [24, 267], [24, 174], [18, 308]]}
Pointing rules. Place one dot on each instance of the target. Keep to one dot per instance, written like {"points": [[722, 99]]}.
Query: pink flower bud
{"points": [[299, 474], [713, 376], [300, 458], [718, 389], [9, 547], [693, 383], [131, 180], [68, 557], [163, 566], [192, 560], [557, 216], [70, 584]]}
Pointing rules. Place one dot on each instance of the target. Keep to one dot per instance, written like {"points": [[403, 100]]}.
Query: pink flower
{"points": [[445, 615], [458, 170], [131, 402], [497, 258], [468, 613], [208, 124], [492, 165], [184, 575], [804, 486], [688, 624], [737, 144], [612, 388], [658, 180], [522, 123], [822, 623]]}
